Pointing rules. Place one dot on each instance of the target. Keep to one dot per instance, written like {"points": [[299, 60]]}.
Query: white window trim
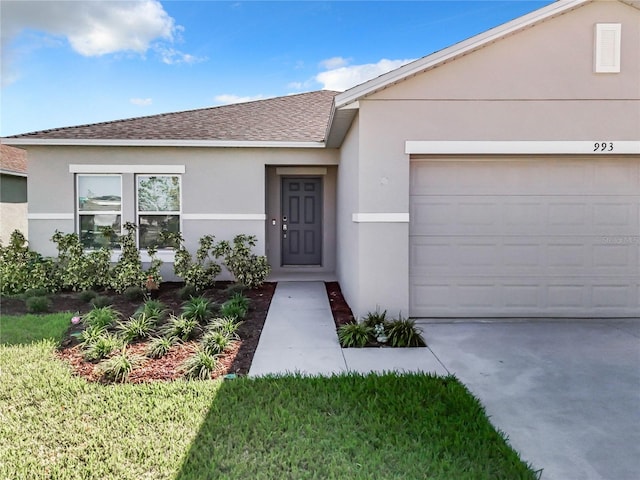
{"points": [[143, 251], [79, 212]]}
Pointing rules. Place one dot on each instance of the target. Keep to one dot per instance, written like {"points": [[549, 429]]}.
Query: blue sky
{"points": [[75, 62]]}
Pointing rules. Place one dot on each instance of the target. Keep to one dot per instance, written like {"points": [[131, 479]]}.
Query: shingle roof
{"points": [[13, 159], [294, 118]]}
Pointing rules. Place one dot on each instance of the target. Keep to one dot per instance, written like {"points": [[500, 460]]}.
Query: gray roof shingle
{"points": [[294, 118]]}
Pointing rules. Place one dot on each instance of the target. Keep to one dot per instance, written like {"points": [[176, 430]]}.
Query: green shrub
{"points": [[404, 333], [136, 328], [197, 308], [200, 366], [234, 288], [247, 268], [375, 318], [153, 309], [87, 295], [134, 293], [80, 269], [102, 346], [160, 346], [215, 343], [100, 301], [354, 335], [36, 292], [237, 306], [199, 273], [182, 328], [91, 335], [188, 291], [119, 367], [226, 325], [22, 269], [38, 304], [100, 317], [128, 272]]}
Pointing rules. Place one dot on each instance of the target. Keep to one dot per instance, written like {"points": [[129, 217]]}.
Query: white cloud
{"points": [[171, 56], [344, 77], [141, 102], [334, 62], [227, 99], [92, 28]]}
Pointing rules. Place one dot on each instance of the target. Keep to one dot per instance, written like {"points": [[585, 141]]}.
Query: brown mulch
{"points": [[237, 360]]}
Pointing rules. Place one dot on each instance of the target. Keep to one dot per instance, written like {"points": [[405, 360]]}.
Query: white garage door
{"points": [[553, 237]]}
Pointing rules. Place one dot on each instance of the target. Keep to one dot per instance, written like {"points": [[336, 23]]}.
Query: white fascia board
{"points": [[596, 147], [158, 143], [453, 51], [12, 173], [114, 168]]}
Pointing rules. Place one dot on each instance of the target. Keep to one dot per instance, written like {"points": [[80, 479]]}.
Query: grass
{"points": [[55, 425], [22, 330]]}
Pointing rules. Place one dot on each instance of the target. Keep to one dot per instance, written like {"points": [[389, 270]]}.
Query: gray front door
{"points": [[301, 221]]}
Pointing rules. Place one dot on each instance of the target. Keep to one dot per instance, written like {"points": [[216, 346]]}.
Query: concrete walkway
{"points": [[566, 394], [299, 336]]}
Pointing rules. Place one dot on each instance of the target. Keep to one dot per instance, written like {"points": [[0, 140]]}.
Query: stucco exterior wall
{"points": [[538, 84], [13, 216], [216, 181]]}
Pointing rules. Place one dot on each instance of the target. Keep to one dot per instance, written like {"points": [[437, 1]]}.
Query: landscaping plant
{"points": [[199, 273], [22, 269], [119, 367], [100, 317], [247, 268], [128, 271], [136, 328], [354, 335], [200, 366], [404, 333], [152, 309], [79, 269], [102, 346], [216, 342], [38, 304], [181, 327], [228, 326], [160, 346], [197, 308]]}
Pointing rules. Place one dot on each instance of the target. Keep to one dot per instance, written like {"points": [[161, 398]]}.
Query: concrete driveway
{"points": [[566, 393]]}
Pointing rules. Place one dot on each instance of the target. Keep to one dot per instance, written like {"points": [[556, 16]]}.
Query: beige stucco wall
{"points": [[537, 84], [13, 216], [216, 181]]}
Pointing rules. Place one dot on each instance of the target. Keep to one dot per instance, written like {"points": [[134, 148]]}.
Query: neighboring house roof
{"points": [[13, 161], [294, 118]]}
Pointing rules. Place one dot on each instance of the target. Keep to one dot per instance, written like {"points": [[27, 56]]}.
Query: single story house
{"points": [[13, 192], [499, 177]]}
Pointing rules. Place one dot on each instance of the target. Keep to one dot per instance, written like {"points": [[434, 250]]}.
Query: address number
{"points": [[603, 147]]}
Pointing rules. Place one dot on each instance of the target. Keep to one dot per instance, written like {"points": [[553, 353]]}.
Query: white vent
{"points": [[607, 54]]}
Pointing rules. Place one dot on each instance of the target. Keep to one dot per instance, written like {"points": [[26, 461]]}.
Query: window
{"points": [[159, 207], [99, 205]]}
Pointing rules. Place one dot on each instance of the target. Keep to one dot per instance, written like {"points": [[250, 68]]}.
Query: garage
{"points": [[524, 236]]}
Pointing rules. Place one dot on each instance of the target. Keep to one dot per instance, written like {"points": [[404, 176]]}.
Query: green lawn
{"points": [[16, 330], [54, 425]]}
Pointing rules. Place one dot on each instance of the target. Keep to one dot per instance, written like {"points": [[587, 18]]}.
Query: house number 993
{"points": [[603, 147]]}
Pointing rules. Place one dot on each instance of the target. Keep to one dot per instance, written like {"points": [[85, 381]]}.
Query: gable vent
{"points": [[607, 54]]}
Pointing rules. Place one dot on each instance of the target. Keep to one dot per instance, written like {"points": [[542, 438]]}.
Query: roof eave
{"points": [[91, 142]]}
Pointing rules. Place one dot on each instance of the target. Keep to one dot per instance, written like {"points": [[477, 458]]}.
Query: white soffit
{"points": [[612, 147]]}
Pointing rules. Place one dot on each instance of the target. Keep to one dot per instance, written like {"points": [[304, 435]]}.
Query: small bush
{"points": [[91, 335], [152, 309], [375, 318], [188, 291], [237, 306], [134, 293], [38, 304], [100, 301], [159, 347], [226, 325], [215, 343], [234, 288], [197, 308], [87, 295], [136, 328], [200, 366], [247, 268], [199, 273], [100, 317], [119, 367], [354, 335], [182, 328], [36, 292], [103, 346], [404, 333]]}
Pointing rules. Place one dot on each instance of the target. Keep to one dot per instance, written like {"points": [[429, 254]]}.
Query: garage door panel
{"points": [[536, 237]]}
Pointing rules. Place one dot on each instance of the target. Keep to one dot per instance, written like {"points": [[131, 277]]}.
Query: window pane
{"points": [[158, 194], [152, 226], [97, 193], [90, 230]]}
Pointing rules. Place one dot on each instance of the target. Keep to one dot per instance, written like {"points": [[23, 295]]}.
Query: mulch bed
{"points": [[237, 360]]}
